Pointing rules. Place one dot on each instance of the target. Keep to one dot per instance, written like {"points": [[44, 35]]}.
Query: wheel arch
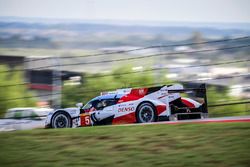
{"points": [[146, 101], [64, 112], [60, 110]]}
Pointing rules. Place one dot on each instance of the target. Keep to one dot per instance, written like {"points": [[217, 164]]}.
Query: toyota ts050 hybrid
{"points": [[133, 105]]}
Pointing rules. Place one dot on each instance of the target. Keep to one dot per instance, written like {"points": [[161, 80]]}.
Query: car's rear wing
{"points": [[197, 92]]}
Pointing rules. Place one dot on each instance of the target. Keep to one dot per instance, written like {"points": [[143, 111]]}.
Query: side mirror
{"points": [[79, 105]]}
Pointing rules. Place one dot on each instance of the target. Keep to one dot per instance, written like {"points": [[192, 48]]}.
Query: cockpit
{"points": [[100, 102]]}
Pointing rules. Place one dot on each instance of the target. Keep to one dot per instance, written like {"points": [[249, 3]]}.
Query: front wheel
{"points": [[146, 113], [61, 120]]}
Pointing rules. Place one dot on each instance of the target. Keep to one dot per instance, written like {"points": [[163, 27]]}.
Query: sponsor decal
{"points": [[126, 109], [141, 92]]}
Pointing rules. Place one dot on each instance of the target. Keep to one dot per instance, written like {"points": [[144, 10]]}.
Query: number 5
{"points": [[87, 120]]}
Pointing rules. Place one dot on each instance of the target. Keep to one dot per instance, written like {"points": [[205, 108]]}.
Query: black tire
{"points": [[146, 113], [61, 119]]}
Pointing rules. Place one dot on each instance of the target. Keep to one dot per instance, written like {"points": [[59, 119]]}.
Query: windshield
{"points": [[93, 103], [88, 105], [99, 104]]}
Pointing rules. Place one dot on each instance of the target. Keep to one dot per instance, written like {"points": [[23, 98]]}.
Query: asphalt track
{"points": [[25, 124], [209, 120]]}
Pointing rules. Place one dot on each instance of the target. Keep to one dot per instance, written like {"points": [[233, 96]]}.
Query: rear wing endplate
{"points": [[199, 92]]}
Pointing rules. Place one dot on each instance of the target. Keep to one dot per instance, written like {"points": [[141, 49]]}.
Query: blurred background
{"points": [[55, 53]]}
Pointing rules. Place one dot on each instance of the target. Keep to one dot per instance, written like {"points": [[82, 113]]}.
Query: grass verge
{"points": [[213, 144]]}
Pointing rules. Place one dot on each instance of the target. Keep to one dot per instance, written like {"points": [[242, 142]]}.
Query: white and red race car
{"points": [[132, 105]]}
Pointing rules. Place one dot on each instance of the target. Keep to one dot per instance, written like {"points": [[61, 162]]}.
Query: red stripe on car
{"points": [[160, 109], [188, 103], [135, 94], [128, 118], [162, 96]]}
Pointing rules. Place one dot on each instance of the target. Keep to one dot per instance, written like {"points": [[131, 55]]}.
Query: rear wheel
{"points": [[61, 120], [146, 113]]}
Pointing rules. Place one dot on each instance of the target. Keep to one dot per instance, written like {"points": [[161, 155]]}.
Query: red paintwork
{"points": [[131, 118], [127, 98], [135, 94], [128, 118], [141, 92], [85, 119], [188, 103], [89, 110], [160, 109], [162, 96]]}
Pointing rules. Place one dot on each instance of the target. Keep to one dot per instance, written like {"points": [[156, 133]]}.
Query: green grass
{"points": [[213, 144]]}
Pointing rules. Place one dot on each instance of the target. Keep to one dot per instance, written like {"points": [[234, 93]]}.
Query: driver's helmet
{"points": [[104, 103]]}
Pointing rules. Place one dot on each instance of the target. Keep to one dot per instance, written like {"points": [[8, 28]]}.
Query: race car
{"points": [[133, 105]]}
